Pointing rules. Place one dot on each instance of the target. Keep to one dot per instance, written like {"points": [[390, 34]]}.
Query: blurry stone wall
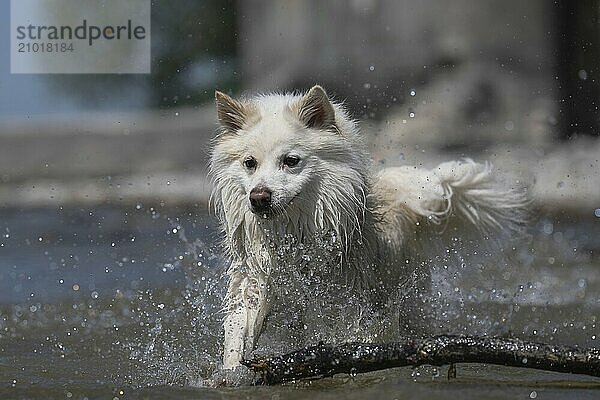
{"points": [[382, 48]]}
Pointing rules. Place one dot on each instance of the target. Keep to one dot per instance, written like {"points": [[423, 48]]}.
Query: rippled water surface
{"points": [[125, 302]]}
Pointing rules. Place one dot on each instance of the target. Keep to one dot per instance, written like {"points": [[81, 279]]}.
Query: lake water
{"points": [[124, 302]]}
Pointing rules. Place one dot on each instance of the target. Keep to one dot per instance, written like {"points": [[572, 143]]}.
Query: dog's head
{"points": [[283, 154]]}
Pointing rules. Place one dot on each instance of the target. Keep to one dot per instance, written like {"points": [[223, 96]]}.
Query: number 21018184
{"points": [[35, 47]]}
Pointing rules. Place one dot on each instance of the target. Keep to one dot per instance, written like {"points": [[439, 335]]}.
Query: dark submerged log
{"points": [[326, 360]]}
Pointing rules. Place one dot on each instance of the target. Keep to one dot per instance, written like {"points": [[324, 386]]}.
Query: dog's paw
{"points": [[238, 376]]}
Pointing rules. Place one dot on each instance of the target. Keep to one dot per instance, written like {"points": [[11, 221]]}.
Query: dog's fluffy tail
{"points": [[464, 189], [473, 191]]}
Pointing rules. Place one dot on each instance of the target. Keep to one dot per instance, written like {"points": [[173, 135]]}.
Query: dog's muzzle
{"points": [[260, 200]]}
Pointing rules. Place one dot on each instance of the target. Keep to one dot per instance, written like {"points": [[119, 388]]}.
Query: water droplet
{"points": [[372, 68], [94, 295], [75, 287], [548, 228], [582, 74], [413, 92], [411, 114], [509, 125], [597, 212], [533, 395]]}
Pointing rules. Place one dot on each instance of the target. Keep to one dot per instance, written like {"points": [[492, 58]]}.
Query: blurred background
{"points": [[513, 82], [107, 250]]}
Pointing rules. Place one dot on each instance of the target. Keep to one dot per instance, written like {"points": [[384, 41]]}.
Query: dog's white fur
{"points": [[330, 213]]}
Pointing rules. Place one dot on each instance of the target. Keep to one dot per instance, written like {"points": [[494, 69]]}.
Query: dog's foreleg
{"points": [[246, 310], [235, 321], [255, 298]]}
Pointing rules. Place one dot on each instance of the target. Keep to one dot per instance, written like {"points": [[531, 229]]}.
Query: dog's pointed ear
{"points": [[315, 109], [232, 114]]}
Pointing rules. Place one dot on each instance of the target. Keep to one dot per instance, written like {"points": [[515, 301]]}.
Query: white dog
{"points": [[310, 228]]}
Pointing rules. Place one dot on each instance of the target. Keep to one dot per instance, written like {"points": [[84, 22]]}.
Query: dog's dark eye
{"points": [[291, 161], [250, 163]]}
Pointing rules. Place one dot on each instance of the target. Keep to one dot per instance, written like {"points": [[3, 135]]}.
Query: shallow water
{"points": [[125, 302]]}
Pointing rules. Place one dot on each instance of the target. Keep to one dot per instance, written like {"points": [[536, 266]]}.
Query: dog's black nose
{"points": [[260, 198]]}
